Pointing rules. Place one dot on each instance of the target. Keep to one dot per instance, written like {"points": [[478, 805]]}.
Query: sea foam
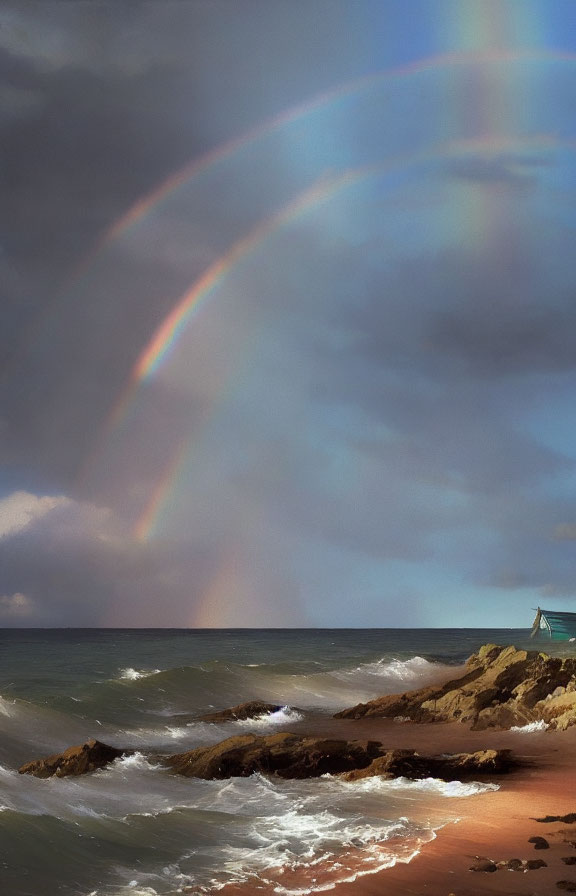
{"points": [[531, 727], [130, 674], [396, 671], [283, 716], [377, 784], [7, 707]]}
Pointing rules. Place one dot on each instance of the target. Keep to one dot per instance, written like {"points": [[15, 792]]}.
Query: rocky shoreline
{"points": [[501, 687], [288, 756], [461, 730]]}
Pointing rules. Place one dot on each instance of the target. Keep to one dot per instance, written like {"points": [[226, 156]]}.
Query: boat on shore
{"points": [[555, 625]]}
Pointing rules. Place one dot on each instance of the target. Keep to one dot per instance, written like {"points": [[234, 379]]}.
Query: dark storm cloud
{"points": [[84, 153], [382, 416], [391, 437], [528, 557], [482, 313], [112, 98], [497, 340], [57, 391], [429, 445], [19, 72]]}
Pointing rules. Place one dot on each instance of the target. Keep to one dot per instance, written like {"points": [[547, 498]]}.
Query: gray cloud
{"points": [[498, 340], [508, 171], [360, 387], [106, 103], [76, 563]]}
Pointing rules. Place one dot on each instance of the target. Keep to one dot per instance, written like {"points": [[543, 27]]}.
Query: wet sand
{"points": [[501, 825], [496, 825]]}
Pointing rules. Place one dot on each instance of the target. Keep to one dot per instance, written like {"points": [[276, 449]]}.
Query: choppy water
{"points": [[135, 829]]}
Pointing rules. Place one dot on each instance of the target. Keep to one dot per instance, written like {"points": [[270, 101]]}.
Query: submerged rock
{"points": [[293, 756], [74, 761], [251, 710], [501, 687]]}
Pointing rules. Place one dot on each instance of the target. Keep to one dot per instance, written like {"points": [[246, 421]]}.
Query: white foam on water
{"points": [[130, 674], [531, 727], [189, 736], [322, 849], [338, 688], [402, 670], [136, 761], [283, 716], [416, 669], [272, 832], [376, 784], [197, 734], [7, 707]]}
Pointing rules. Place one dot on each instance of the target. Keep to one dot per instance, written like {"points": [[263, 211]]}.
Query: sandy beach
{"points": [[499, 829], [502, 824]]}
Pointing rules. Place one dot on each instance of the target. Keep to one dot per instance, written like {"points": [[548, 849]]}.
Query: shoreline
{"points": [[497, 825], [500, 826]]}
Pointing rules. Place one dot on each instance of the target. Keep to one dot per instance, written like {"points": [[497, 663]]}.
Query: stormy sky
{"points": [[288, 314]]}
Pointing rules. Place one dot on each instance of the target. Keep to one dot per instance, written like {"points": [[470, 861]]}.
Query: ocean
{"points": [[133, 829]]}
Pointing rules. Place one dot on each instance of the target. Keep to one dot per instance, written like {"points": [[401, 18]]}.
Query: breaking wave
{"points": [[7, 707], [531, 727], [255, 831], [283, 716], [428, 785], [130, 674], [135, 828]]}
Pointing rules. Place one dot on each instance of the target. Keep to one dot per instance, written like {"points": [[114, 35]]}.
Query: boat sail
{"points": [[555, 625]]}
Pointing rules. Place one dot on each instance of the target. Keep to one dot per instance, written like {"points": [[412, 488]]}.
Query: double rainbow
{"points": [[494, 126]]}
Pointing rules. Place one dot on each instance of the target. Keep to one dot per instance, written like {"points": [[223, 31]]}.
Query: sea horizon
{"points": [[260, 628]]}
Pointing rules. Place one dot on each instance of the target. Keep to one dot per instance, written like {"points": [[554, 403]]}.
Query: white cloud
{"points": [[20, 509], [15, 606]]}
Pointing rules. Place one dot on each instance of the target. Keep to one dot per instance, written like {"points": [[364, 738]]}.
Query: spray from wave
{"points": [[130, 674], [531, 727], [283, 716]]}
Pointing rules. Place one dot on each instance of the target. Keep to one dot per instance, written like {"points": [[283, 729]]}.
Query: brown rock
{"points": [[539, 843], [565, 819], [74, 761], [482, 864], [455, 767], [501, 687], [513, 865], [294, 756], [567, 885], [286, 755], [534, 864], [250, 710], [569, 860]]}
